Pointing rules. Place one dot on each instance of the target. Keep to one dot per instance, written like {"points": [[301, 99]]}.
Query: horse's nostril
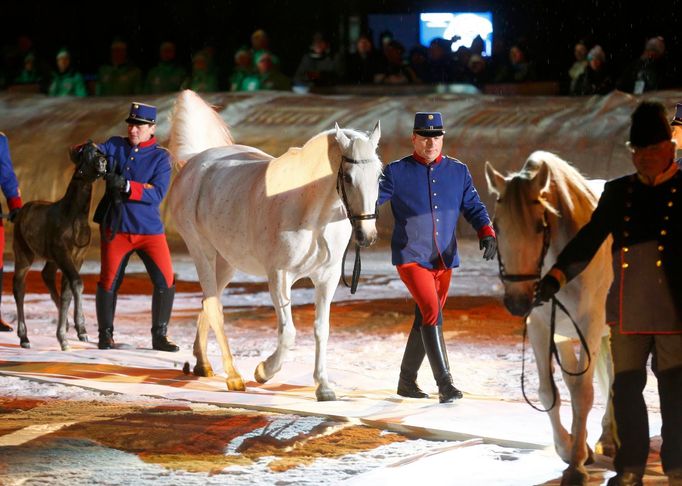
{"points": [[517, 305]]}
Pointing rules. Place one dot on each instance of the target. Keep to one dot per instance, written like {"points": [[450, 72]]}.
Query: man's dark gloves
{"points": [[13, 214], [547, 287], [489, 243], [116, 183]]}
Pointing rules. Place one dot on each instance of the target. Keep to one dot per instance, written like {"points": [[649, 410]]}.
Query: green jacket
{"points": [[69, 83], [119, 80], [165, 77]]}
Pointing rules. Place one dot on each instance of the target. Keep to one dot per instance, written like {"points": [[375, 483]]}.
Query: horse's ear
{"points": [[496, 181], [376, 134], [341, 137], [541, 179]]}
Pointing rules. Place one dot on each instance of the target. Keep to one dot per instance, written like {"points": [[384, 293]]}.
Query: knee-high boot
{"points": [[412, 360], [4, 327], [162, 304], [434, 345], [105, 302]]}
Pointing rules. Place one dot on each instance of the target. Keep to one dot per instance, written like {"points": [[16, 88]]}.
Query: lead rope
{"points": [[357, 268], [553, 351]]}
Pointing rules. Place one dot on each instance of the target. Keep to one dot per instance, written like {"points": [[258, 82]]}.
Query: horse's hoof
{"points": [[185, 368], [25, 344], [203, 370], [235, 384], [83, 338], [325, 395], [574, 476], [65, 347], [259, 374]]}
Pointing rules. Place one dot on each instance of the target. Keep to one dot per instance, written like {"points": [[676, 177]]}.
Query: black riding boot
{"points": [[437, 354], [4, 327], [670, 393], [412, 361], [105, 302], [162, 304]]}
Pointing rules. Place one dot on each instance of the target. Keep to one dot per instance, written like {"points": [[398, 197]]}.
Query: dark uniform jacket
{"points": [[646, 224]]}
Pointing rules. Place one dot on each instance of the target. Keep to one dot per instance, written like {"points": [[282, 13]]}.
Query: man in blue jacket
{"points": [[428, 191], [138, 176], [10, 188]]}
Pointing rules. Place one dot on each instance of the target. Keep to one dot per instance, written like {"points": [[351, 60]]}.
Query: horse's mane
{"points": [[195, 127], [570, 197], [318, 158]]}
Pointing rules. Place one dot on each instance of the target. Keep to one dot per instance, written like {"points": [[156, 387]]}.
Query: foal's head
{"points": [[358, 182], [520, 221], [90, 162]]}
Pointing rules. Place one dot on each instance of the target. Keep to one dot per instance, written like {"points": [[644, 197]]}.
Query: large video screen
{"points": [[465, 25]]}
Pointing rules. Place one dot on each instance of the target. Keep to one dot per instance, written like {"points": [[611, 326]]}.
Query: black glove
{"points": [[13, 214], [116, 183], [489, 243], [547, 287]]}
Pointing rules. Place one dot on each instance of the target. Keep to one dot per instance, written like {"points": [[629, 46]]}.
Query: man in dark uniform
{"points": [[428, 190], [138, 176], [642, 213], [10, 188]]}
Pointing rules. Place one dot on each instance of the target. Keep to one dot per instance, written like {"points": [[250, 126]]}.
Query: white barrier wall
{"points": [[589, 132]]}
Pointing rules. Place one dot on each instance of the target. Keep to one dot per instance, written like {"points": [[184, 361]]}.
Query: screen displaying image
{"points": [[465, 25]]}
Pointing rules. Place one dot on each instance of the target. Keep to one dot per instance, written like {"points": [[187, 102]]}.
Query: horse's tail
{"points": [[195, 127]]}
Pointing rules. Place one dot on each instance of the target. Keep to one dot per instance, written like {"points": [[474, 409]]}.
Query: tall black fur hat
{"points": [[650, 124]]}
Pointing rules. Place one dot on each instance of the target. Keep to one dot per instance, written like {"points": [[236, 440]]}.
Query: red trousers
{"points": [[152, 250], [429, 288]]}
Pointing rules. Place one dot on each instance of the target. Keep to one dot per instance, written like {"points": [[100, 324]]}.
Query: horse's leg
{"points": [[325, 285], [538, 335], [604, 371], [79, 317], [73, 288], [49, 275], [279, 283], [224, 273], [581, 392], [63, 323], [23, 258]]}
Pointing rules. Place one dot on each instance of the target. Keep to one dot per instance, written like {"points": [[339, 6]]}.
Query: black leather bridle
{"points": [[525, 277], [341, 189], [553, 351]]}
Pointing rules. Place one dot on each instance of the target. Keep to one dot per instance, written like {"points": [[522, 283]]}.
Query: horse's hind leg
{"points": [[23, 258], [279, 283], [325, 285], [49, 274]]}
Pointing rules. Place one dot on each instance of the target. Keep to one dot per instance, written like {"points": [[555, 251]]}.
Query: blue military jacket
{"points": [[147, 167], [8, 179], [426, 201]]}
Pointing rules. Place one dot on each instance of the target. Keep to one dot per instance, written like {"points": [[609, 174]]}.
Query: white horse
{"points": [[538, 210], [286, 218]]}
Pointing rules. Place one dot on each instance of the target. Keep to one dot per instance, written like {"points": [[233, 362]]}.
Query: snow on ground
{"points": [[487, 368]]}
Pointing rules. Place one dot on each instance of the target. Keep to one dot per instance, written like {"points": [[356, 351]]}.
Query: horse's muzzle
{"points": [[518, 305], [365, 238]]}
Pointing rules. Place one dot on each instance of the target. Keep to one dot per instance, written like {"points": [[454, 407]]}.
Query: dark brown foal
{"points": [[59, 233]]}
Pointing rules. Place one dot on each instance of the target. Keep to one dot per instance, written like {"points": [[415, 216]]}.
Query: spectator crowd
{"points": [[257, 67]]}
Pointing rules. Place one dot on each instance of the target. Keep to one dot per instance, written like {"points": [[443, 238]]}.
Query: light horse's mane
{"points": [[569, 196]]}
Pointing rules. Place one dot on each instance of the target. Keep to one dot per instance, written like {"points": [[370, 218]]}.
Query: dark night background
{"points": [[551, 28]]}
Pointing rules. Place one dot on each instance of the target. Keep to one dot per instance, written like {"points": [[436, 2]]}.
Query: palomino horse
{"points": [[286, 218], [538, 210], [58, 232]]}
